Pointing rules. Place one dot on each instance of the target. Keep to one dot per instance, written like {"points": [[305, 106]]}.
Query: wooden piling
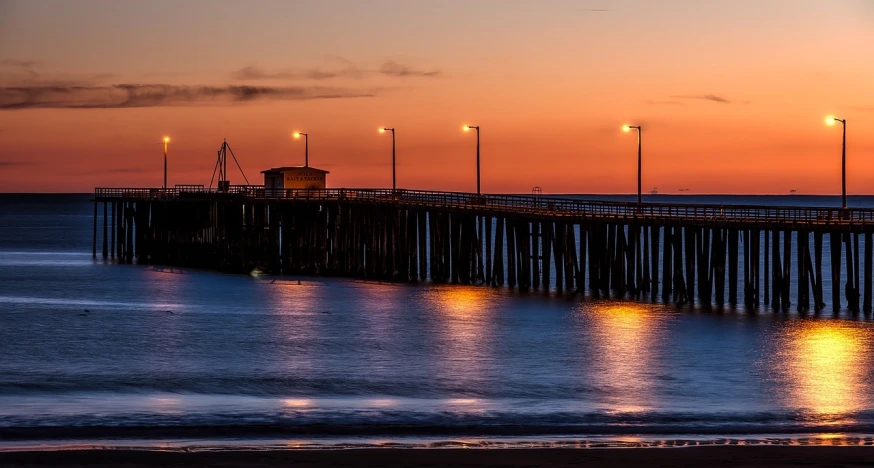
{"points": [[535, 254], [868, 270], [94, 238], [584, 236], [835, 250], [818, 301], [776, 271], [667, 264], [654, 261]]}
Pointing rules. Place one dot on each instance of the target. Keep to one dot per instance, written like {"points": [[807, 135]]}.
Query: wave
{"points": [[209, 416], [406, 442], [51, 301]]}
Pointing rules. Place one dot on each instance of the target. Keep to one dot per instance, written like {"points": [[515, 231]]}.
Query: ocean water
{"points": [[93, 352]]}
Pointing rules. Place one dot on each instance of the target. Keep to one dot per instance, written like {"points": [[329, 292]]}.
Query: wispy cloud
{"points": [[9, 62], [16, 163], [396, 70], [121, 96], [348, 70], [704, 97], [258, 73], [19, 72], [593, 10]]}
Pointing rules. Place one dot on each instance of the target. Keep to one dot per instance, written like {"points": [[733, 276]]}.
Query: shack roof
{"points": [[286, 168]]}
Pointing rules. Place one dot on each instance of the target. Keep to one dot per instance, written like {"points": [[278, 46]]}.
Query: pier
{"points": [[710, 255]]}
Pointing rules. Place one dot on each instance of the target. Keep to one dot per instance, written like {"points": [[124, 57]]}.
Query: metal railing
{"points": [[523, 204]]}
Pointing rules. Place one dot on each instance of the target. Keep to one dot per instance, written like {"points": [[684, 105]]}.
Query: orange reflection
{"points": [[297, 324], [822, 366], [463, 308], [465, 331], [461, 301], [626, 336], [297, 402], [165, 404]]}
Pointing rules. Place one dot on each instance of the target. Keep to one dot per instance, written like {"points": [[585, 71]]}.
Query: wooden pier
{"points": [[680, 253]]}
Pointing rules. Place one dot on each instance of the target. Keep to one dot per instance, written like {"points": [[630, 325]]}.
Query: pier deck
{"points": [[621, 248]]}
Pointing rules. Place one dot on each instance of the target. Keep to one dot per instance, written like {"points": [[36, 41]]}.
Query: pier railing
{"points": [[525, 204]]}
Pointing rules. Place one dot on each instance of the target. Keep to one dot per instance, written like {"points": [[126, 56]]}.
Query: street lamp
{"points": [[166, 140], [830, 120], [467, 128], [306, 141], [626, 129], [394, 185]]}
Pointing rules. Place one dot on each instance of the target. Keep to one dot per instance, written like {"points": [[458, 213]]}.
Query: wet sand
{"points": [[722, 456]]}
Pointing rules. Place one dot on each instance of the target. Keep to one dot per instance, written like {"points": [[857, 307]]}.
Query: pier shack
{"points": [[295, 177], [680, 253]]}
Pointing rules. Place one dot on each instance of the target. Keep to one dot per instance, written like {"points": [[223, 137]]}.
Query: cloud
{"points": [[17, 72], [396, 70], [121, 96], [16, 163], [704, 97], [349, 70], [18, 63], [598, 10], [257, 73]]}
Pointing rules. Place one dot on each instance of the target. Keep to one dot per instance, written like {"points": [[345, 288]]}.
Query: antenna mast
{"points": [[221, 165]]}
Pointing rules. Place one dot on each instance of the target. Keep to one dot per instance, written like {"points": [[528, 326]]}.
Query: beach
{"points": [[727, 456]]}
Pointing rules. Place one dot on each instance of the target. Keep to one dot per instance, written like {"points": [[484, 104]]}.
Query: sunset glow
{"points": [[731, 102]]}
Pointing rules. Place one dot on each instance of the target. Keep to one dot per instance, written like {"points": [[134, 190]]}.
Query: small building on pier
{"points": [[294, 177]]}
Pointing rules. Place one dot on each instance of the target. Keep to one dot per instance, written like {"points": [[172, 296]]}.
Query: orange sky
{"points": [[731, 95]]}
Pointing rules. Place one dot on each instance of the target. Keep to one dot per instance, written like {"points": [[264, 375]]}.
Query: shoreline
{"points": [[714, 456], [289, 442]]}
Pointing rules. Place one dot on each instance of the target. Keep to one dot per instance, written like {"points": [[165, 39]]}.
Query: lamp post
{"points": [[166, 141], [306, 147], [831, 121], [394, 185], [628, 128], [467, 129]]}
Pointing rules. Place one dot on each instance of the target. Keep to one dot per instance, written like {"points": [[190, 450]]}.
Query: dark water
{"points": [[191, 355]]}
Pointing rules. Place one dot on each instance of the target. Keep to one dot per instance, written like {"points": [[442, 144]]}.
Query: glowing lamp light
{"points": [[830, 120], [382, 130], [626, 128], [296, 134], [466, 128], [166, 139]]}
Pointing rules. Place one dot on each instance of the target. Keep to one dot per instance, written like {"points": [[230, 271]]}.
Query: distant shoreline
{"points": [[721, 456]]}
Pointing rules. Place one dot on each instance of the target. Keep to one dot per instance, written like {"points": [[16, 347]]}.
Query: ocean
{"points": [[94, 353]]}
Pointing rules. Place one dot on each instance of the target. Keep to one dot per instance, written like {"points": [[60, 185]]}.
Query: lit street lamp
{"points": [[467, 129], [626, 129], [166, 140], [306, 142], [830, 120], [394, 185]]}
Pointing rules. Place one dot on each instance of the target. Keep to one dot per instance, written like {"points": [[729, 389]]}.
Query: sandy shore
{"points": [[727, 456]]}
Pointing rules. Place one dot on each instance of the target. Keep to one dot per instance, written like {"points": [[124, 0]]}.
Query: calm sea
{"points": [[99, 353]]}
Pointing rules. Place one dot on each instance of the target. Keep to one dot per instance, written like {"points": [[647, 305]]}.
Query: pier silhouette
{"points": [[679, 253]]}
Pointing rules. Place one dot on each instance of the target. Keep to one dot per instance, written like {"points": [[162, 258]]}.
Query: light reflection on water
{"points": [[240, 350], [626, 338], [464, 324], [823, 366]]}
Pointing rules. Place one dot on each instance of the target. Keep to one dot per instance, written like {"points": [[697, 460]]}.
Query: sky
{"points": [[731, 95]]}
